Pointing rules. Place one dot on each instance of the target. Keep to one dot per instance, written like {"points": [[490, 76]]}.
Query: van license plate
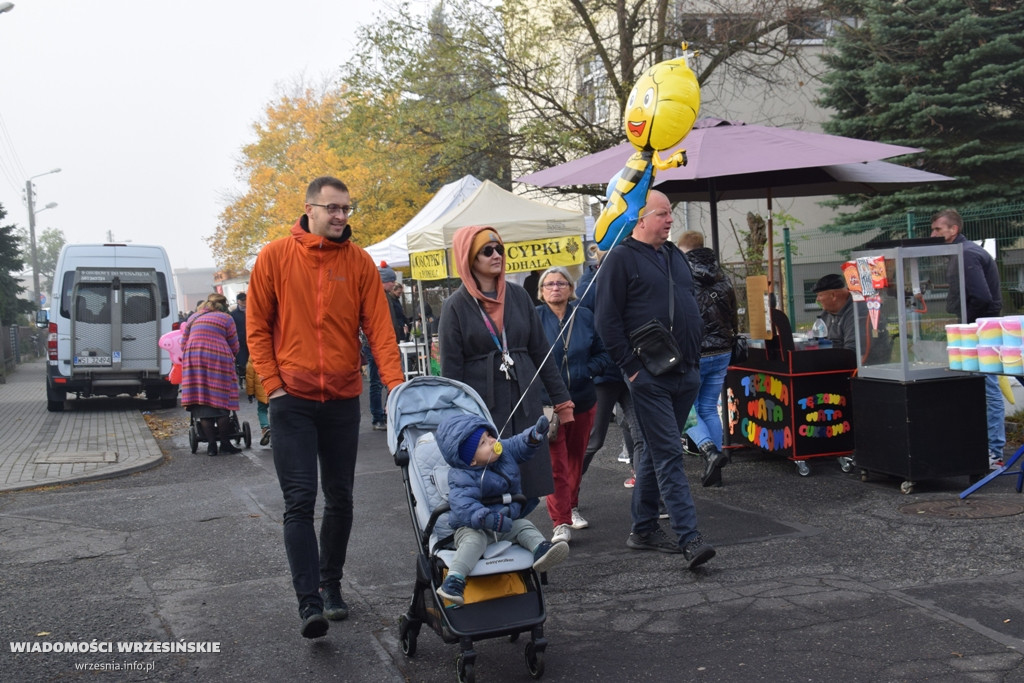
{"points": [[92, 360]]}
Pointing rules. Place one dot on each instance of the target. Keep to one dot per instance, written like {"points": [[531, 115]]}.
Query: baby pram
{"points": [[509, 600], [195, 436]]}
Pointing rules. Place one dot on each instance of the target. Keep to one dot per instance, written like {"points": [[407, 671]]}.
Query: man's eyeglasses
{"points": [[488, 250], [555, 285], [335, 209], [655, 214]]}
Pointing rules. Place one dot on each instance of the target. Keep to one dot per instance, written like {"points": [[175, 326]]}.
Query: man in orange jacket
{"points": [[309, 295]]}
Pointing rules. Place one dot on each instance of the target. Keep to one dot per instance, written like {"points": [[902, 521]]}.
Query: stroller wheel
{"points": [[513, 637], [534, 661], [193, 438], [466, 670], [407, 632]]}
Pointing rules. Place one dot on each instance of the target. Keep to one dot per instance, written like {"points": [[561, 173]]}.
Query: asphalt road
{"points": [[819, 578]]}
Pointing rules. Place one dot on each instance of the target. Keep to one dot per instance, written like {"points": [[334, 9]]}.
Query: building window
{"points": [[594, 102], [811, 30]]}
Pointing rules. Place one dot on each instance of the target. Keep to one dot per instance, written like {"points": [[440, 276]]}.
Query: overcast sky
{"points": [[146, 105]]}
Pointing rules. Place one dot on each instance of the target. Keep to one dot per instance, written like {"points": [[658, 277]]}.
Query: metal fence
{"points": [[816, 253]]}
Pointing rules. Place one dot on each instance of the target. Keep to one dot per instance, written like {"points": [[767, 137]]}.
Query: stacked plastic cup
{"points": [[1010, 356], [988, 359], [1011, 330], [969, 358], [990, 332]]}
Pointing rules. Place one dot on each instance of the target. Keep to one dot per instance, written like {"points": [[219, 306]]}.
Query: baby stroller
{"points": [[195, 437], [503, 592]]}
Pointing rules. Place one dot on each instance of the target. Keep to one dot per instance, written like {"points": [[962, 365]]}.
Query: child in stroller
{"points": [[483, 467], [503, 595]]}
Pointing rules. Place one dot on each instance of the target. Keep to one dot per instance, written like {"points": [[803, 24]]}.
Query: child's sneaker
{"points": [[630, 483], [266, 436], [453, 588], [994, 461], [546, 555]]}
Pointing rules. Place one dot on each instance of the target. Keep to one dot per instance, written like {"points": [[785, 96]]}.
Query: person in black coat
{"points": [[716, 300], [493, 341], [646, 278]]}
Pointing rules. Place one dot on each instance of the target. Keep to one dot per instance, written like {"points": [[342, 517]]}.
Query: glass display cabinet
{"points": [[904, 396], [905, 301]]}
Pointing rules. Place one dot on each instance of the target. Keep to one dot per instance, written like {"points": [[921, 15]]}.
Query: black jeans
{"points": [[608, 394], [306, 433]]}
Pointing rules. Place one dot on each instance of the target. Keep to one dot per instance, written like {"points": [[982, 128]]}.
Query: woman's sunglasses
{"points": [[488, 251]]}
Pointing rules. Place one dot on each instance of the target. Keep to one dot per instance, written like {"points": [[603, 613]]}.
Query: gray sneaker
{"points": [[655, 540]]}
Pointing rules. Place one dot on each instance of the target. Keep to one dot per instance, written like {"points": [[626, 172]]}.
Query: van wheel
{"points": [[55, 406]]}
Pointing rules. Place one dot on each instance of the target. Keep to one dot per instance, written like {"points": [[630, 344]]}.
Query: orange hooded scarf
{"points": [[466, 244]]}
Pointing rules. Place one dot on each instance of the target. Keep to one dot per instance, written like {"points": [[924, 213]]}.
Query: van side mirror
{"points": [[42, 318]]}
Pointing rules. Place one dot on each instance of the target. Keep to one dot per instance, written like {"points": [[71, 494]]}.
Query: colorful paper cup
{"points": [[955, 358], [969, 358]]}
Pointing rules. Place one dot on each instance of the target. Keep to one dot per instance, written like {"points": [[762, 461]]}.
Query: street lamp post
{"points": [[32, 233]]}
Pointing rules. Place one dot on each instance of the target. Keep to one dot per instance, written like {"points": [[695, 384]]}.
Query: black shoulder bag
{"points": [[652, 343]]}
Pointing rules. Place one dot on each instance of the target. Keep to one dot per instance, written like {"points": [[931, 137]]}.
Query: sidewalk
{"points": [[97, 438]]}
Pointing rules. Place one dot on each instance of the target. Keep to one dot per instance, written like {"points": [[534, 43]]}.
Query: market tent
{"points": [[515, 218], [394, 250]]}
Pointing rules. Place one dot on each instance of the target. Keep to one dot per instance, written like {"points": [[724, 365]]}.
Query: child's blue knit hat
{"points": [[467, 449]]}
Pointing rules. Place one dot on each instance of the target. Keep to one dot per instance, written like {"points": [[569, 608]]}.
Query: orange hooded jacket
{"points": [[308, 297]]}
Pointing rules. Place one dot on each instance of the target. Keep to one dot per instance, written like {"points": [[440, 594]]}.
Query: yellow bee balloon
{"points": [[660, 112]]}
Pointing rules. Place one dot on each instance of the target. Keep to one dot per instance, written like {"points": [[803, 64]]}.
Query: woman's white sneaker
{"points": [[577, 520], [563, 533]]}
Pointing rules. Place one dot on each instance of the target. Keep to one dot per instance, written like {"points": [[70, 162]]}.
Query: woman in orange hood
{"points": [[492, 340]]}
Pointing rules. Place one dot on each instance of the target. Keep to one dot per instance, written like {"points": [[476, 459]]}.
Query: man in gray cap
{"points": [[393, 289]]}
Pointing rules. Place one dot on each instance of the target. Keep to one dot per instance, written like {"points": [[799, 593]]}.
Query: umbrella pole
{"points": [[714, 216], [424, 331], [771, 254]]}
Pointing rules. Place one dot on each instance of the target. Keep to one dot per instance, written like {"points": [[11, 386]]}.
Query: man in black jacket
{"points": [[981, 290], [242, 357], [636, 277]]}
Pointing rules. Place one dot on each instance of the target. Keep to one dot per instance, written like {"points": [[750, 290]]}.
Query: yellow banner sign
{"points": [[520, 257], [540, 254], [429, 265]]}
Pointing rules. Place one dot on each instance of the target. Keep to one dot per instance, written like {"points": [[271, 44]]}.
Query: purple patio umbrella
{"points": [[735, 160]]}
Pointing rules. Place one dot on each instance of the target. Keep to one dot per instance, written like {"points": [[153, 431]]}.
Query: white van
{"points": [[110, 305]]}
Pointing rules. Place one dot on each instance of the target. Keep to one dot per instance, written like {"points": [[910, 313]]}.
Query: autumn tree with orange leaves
{"points": [[303, 136]]}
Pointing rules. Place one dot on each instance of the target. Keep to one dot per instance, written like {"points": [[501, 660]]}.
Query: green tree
{"points": [[11, 264], [440, 85], [944, 75], [565, 69], [48, 246]]}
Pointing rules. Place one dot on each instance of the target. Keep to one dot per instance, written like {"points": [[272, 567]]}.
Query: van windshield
{"points": [[93, 298]]}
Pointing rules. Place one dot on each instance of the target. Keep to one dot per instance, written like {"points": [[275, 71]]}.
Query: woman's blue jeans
{"points": [[306, 434], [709, 421]]}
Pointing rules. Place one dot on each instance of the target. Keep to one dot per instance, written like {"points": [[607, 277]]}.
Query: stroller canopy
{"points": [[426, 401]]}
